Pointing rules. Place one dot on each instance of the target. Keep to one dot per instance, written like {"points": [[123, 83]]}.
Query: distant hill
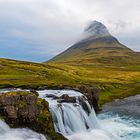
{"points": [[98, 47]]}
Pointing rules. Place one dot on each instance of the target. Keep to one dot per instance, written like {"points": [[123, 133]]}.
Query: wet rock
{"points": [[66, 98], [52, 96], [84, 104], [92, 95]]}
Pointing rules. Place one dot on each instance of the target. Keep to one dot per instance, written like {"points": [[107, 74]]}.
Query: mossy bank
{"points": [[25, 109], [113, 81]]}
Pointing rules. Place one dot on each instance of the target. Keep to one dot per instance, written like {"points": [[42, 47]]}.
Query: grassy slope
{"points": [[25, 74], [99, 53], [109, 65], [114, 82]]}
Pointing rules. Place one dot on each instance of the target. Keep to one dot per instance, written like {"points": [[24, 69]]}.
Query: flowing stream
{"points": [[77, 123]]}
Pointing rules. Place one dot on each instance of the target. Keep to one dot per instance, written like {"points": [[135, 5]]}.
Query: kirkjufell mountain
{"points": [[98, 47], [96, 29]]}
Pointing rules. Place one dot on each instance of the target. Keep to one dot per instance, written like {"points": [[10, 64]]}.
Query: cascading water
{"points": [[6, 133], [71, 118], [77, 122]]}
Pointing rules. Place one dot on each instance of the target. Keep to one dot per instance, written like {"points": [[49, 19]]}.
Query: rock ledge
{"points": [[25, 109]]}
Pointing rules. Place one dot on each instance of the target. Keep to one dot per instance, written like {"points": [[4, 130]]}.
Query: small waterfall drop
{"points": [[73, 117], [70, 118], [76, 120]]}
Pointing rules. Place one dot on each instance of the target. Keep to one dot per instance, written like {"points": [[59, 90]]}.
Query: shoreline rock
{"points": [[128, 106], [92, 95], [91, 92], [24, 109]]}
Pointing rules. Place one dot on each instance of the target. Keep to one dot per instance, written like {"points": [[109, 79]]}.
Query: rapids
{"points": [[7, 133], [75, 123]]}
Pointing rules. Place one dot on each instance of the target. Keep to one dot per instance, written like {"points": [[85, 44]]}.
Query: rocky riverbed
{"points": [[68, 112], [129, 106]]}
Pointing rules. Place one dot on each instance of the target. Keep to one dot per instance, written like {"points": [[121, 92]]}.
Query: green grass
{"points": [[99, 53], [22, 74], [113, 81], [119, 93], [110, 66], [17, 92]]}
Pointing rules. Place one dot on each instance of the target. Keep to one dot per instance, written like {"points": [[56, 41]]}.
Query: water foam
{"points": [[72, 120], [7, 133], [76, 124]]}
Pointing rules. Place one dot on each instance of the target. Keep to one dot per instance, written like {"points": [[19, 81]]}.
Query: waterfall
{"points": [[71, 118], [77, 121]]}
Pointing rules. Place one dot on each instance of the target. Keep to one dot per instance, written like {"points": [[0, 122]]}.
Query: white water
{"points": [[7, 133], [70, 118], [73, 122]]}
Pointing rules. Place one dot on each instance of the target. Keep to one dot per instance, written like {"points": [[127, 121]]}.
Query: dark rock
{"points": [[92, 95], [35, 92], [66, 98], [84, 104], [89, 91], [52, 96]]}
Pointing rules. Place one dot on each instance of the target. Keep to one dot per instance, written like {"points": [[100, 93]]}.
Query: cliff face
{"points": [[92, 95], [19, 105], [25, 109]]}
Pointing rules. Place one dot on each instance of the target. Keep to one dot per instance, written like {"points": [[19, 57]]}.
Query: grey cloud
{"points": [[55, 25]]}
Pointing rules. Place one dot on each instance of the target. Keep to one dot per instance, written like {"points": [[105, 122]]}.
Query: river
{"points": [[75, 123]]}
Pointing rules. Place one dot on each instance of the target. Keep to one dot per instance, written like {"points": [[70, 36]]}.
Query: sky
{"points": [[37, 30]]}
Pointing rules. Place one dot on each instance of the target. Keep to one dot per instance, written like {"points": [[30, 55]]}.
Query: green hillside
{"points": [[98, 47], [99, 60], [114, 82], [27, 74], [98, 53]]}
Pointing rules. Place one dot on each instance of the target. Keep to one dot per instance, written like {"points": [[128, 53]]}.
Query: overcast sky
{"points": [[37, 30]]}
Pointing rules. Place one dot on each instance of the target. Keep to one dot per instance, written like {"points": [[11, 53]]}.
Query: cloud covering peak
{"points": [[40, 29], [96, 29]]}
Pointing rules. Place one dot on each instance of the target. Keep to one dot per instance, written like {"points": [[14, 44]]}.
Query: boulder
{"points": [[52, 96], [66, 98], [25, 109], [92, 95]]}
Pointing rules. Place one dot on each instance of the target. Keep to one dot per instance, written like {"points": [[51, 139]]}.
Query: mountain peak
{"points": [[97, 46], [96, 29]]}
